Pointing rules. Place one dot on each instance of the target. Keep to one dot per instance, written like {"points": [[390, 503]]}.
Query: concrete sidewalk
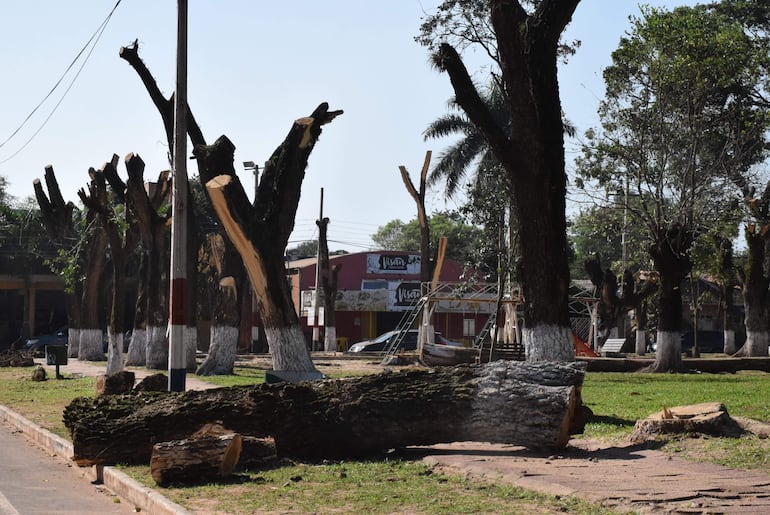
{"points": [[132, 492]]}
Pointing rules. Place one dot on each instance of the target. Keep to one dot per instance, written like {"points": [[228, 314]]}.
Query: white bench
{"points": [[613, 347]]}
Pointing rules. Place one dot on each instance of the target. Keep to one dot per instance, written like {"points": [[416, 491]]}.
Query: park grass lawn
{"points": [[399, 485]]}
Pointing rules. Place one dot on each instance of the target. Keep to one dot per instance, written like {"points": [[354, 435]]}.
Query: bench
{"points": [[613, 347]]}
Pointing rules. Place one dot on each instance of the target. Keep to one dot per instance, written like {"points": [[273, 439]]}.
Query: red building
{"points": [[374, 291]]}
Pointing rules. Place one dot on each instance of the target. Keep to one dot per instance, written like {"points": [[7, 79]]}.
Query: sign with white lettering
{"points": [[392, 264]]}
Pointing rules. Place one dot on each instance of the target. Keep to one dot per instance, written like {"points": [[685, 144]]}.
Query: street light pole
{"points": [[178, 308]]}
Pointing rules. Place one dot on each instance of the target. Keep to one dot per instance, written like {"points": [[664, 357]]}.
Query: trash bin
{"points": [[56, 354], [342, 344]]}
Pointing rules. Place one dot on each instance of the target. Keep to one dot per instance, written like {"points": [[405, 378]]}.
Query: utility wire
{"points": [[93, 40]]}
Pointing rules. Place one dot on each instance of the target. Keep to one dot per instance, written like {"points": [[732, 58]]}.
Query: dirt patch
{"points": [[625, 477]]}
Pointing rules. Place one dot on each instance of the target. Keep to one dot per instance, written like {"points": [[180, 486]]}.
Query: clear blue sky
{"points": [[254, 67]]}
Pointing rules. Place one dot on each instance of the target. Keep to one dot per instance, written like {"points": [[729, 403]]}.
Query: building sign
{"points": [[392, 264], [403, 295]]}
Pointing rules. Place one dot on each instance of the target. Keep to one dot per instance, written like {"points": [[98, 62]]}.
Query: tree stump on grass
{"points": [[707, 418]]}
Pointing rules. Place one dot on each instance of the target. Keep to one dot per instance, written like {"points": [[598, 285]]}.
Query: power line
{"points": [[95, 39]]}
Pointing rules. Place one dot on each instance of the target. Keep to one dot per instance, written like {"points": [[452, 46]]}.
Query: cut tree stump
{"points": [[115, 384], [537, 405], [707, 418]]}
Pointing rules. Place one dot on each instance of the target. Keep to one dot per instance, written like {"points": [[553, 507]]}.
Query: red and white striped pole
{"points": [[178, 308]]}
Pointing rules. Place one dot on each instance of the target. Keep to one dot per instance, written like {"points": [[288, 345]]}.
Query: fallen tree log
{"points": [[200, 458], [537, 405]]}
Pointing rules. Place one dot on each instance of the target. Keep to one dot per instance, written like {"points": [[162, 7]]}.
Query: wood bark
{"points": [[754, 281], [59, 224], [225, 306], [328, 286], [233, 267], [533, 404], [154, 229], [728, 281], [532, 153], [612, 308], [261, 231], [707, 418], [418, 195], [197, 459], [84, 301], [121, 243], [670, 255]]}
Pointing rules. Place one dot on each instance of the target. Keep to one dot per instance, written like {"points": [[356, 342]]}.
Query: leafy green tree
{"points": [[305, 249], [676, 112], [463, 238], [599, 230], [523, 38]]}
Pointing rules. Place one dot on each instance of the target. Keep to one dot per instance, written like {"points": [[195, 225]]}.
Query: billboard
{"points": [[392, 264]]}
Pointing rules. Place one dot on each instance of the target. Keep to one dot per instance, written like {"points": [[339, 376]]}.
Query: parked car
{"points": [[409, 342], [37, 344]]}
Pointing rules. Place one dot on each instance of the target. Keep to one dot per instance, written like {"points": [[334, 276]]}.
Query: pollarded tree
{"points": [[525, 38], [669, 119], [260, 231], [113, 216], [230, 286], [81, 258]]}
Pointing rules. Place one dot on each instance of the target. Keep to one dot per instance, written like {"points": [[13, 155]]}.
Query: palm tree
{"points": [[471, 149]]}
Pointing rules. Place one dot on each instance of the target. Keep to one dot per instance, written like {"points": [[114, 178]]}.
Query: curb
{"points": [[144, 498]]}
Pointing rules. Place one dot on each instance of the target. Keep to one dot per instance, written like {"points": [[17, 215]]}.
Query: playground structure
{"points": [[494, 340]]}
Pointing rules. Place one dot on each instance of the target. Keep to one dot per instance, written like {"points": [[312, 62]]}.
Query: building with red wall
{"points": [[374, 291]]}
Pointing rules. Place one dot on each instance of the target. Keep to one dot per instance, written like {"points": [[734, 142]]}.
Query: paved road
{"points": [[33, 482]]}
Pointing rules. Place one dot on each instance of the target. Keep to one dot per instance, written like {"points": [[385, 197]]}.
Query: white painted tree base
{"points": [[156, 354], [222, 351], [641, 342], [91, 345], [330, 339], [288, 349], [756, 344], [114, 353], [668, 353], [137, 348], [729, 337], [73, 345], [191, 347], [548, 343]]}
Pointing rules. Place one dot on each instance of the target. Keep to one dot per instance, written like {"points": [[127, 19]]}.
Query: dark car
{"points": [[382, 342], [36, 345]]}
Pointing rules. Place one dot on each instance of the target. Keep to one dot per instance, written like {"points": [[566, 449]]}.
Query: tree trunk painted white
{"points": [[91, 345], [191, 347], [641, 341], [510, 323], [137, 349], [222, 351], [756, 344], [668, 353], [289, 349], [73, 345], [330, 339], [114, 352], [548, 343], [156, 355], [729, 336]]}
